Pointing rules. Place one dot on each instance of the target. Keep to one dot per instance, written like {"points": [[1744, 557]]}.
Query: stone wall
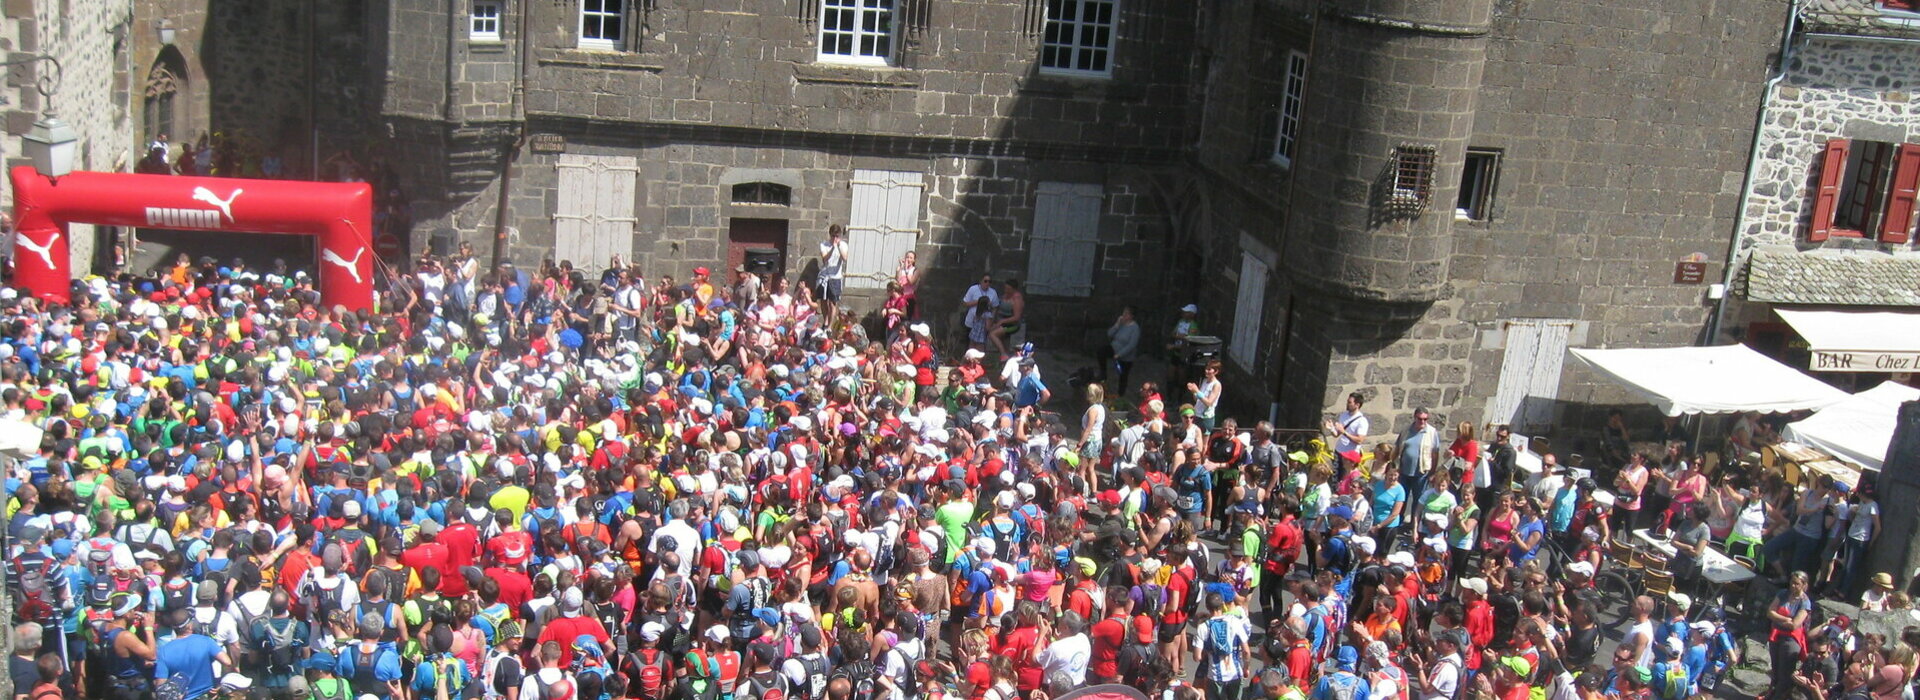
{"points": [[977, 214], [1834, 89], [87, 38], [1623, 129]]}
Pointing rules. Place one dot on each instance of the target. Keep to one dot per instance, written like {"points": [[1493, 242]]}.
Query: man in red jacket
{"points": [[428, 553]]}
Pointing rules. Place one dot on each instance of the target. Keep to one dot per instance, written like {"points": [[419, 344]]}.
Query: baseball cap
{"points": [[571, 602], [1517, 664], [1190, 308], [1143, 629], [1342, 512], [1364, 545], [718, 634], [769, 616], [1477, 585], [1348, 656], [651, 631], [1702, 627]]}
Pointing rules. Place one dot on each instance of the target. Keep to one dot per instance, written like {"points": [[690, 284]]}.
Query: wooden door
{"points": [[743, 234]]}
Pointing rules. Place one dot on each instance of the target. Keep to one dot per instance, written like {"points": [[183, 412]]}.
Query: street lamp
{"points": [[165, 29], [51, 143]]}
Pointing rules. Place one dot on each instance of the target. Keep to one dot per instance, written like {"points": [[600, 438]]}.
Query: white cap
{"points": [[1363, 544], [1680, 599], [1580, 567], [351, 509], [1190, 308], [974, 354], [1006, 499], [1477, 585], [652, 631], [1403, 558], [718, 634], [1604, 498]]}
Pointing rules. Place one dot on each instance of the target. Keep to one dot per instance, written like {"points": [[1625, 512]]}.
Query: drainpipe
{"points": [[1753, 160], [518, 114]]}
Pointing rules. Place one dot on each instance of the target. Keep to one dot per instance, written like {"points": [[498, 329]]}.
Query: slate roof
{"points": [[1860, 17], [1870, 279]]}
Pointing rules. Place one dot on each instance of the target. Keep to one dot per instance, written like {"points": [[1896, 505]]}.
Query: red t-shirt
{"points": [[515, 588], [433, 555], [1108, 636], [565, 629], [1285, 538], [516, 541], [922, 359], [1020, 647], [297, 563], [1300, 659], [462, 542]]}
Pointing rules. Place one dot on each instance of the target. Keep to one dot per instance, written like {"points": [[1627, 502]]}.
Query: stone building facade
{"points": [[1295, 168], [1598, 146], [91, 93], [1839, 126], [694, 105]]}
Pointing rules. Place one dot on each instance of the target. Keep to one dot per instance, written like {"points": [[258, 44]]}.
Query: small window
{"points": [[762, 193], [1079, 37], [1477, 179], [856, 31], [1866, 189], [1900, 5], [1413, 173], [603, 24], [485, 22], [1293, 94], [1863, 189]]}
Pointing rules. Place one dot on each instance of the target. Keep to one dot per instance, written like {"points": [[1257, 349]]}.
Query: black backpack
{"points": [[1152, 599], [860, 674]]}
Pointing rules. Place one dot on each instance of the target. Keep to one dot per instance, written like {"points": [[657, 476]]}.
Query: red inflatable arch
{"points": [[339, 214]]}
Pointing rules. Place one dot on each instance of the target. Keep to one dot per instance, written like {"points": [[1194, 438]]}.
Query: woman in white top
{"points": [[1093, 432]]}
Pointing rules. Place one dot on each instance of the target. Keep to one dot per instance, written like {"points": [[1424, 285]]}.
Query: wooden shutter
{"points": [[883, 225], [594, 217], [1064, 239], [1900, 203], [1249, 309], [1826, 199], [572, 224]]}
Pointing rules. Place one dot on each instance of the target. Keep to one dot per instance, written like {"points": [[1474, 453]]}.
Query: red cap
{"points": [[699, 270], [1143, 629], [1109, 498]]}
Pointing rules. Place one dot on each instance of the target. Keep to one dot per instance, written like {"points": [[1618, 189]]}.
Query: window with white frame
{"points": [[603, 24], [1293, 93], [485, 21], [856, 31], [1079, 37]]}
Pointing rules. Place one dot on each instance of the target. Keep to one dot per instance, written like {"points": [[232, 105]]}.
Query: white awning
{"points": [[1858, 428], [1723, 379], [1858, 341]]}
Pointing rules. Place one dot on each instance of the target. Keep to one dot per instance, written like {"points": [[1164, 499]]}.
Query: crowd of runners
{"points": [[549, 485]]}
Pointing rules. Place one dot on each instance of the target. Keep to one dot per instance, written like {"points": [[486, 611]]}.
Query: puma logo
{"points": [[202, 194], [45, 249], [352, 266]]}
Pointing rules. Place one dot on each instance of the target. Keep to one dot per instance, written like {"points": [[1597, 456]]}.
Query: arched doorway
{"points": [[166, 95]]}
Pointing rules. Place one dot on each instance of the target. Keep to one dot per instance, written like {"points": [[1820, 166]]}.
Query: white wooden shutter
{"points": [[883, 225], [1248, 310], [1530, 372], [1064, 237], [594, 218]]}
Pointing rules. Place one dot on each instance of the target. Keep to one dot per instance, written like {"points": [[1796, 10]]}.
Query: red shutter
{"points": [[1826, 200], [1906, 181]]}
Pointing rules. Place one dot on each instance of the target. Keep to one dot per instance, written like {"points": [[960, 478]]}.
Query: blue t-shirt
{"points": [[1384, 499], [1520, 533], [191, 659], [1194, 485], [1030, 388]]}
